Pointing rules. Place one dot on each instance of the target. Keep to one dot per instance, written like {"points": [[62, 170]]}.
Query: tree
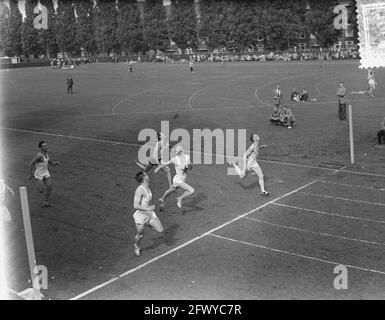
{"points": [[11, 30], [84, 28], [105, 26], [129, 28], [183, 26], [30, 37], [155, 26], [66, 29], [319, 21]]}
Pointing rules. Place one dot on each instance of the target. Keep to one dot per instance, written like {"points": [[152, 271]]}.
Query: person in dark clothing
{"points": [[275, 117], [70, 84], [341, 94], [304, 96], [381, 134]]}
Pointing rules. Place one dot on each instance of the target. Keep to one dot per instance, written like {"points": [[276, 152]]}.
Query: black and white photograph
{"points": [[204, 153]]}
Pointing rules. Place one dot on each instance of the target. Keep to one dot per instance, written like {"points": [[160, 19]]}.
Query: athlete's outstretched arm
{"points": [[54, 163], [162, 165]]}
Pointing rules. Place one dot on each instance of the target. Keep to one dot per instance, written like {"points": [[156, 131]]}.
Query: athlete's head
{"points": [[341, 84], [141, 177], [43, 145], [284, 108], [254, 137]]}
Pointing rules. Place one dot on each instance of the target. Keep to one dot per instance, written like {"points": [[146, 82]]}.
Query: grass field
{"points": [[227, 242]]}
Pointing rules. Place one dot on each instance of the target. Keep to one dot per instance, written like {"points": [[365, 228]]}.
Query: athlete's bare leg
{"points": [[168, 172], [241, 173], [138, 238], [189, 190]]}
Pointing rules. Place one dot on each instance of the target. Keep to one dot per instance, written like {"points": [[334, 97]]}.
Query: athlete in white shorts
{"points": [[156, 158], [4, 212], [182, 165], [41, 173], [144, 214], [250, 163]]}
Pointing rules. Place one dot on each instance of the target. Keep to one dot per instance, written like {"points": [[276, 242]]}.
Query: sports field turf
{"points": [[227, 242]]}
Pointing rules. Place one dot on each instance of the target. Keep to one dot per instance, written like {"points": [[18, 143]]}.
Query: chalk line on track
{"points": [[314, 232], [328, 213], [192, 241], [299, 255], [352, 186], [344, 199]]}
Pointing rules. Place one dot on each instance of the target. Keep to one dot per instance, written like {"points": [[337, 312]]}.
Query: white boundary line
{"points": [[315, 232], [191, 241], [139, 145], [352, 186], [328, 213], [345, 199], [298, 255]]}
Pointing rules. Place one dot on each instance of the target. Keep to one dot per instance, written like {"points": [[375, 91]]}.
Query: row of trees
{"points": [[107, 28]]}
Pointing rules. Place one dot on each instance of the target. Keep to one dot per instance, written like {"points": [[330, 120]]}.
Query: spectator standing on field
{"points": [[341, 94], [381, 134], [278, 97], [70, 84]]}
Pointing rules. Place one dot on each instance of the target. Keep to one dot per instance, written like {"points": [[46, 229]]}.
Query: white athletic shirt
{"points": [[253, 155], [145, 198], [42, 166], [180, 165]]}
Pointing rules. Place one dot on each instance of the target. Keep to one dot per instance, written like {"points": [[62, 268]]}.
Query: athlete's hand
{"points": [[56, 163], [262, 146], [156, 170], [151, 208]]}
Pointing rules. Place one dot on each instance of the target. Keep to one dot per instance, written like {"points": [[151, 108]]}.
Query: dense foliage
{"points": [[111, 27]]}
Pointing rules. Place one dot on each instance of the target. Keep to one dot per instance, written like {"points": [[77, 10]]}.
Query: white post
{"points": [[351, 137], [29, 240]]}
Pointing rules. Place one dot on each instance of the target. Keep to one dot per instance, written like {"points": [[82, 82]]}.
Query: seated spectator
{"points": [[304, 96], [275, 117], [295, 95], [287, 117]]}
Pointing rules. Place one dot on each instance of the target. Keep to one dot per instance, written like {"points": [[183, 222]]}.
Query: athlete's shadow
{"points": [[249, 186], [193, 203], [168, 237]]}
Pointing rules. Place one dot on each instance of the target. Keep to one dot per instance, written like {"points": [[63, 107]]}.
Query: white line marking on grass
{"points": [[192, 241], [328, 213], [130, 144], [131, 96], [298, 255], [352, 186], [74, 137], [344, 199], [190, 99], [315, 232]]}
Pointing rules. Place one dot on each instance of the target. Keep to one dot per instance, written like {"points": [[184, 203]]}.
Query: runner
{"points": [[144, 214], [41, 173], [250, 163], [182, 166]]}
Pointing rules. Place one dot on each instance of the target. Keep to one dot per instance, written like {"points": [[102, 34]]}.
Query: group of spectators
{"points": [[282, 116], [60, 63], [297, 97]]}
